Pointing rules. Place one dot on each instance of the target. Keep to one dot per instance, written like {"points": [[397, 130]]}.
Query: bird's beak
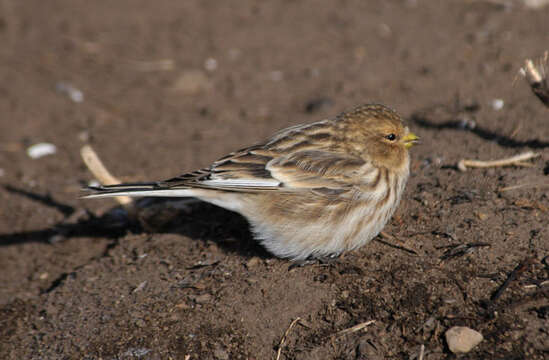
{"points": [[410, 140]]}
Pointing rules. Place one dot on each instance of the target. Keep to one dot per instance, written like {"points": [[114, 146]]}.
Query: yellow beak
{"points": [[410, 140]]}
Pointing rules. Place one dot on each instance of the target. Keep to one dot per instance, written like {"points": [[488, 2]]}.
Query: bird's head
{"points": [[378, 134]]}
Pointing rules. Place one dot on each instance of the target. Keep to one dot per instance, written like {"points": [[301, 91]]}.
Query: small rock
{"points": [[482, 216], [44, 276], [42, 149], [57, 238], [192, 82], [461, 339], [497, 104], [202, 299], [72, 92], [220, 353], [253, 262], [183, 306], [84, 136], [210, 64]]}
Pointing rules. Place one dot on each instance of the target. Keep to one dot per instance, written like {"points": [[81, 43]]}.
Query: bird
{"points": [[311, 191]]}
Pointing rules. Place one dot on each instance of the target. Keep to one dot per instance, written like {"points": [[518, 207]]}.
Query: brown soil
{"points": [[77, 280]]}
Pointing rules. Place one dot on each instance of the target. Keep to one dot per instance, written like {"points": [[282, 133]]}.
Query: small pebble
{"points": [[84, 136], [220, 353], [210, 64], [461, 339], [57, 238], [137, 353], [497, 104], [203, 299], [482, 216], [44, 276], [182, 306], [253, 262], [192, 82], [37, 151], [73, 93]]}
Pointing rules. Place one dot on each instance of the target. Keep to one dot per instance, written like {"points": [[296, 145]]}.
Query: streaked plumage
{"points": [[312, 190]]}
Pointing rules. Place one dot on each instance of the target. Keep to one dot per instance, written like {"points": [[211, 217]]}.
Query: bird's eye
{"points": [[390, 137]]}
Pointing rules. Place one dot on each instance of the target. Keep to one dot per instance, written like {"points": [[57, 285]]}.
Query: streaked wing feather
{"points": [[317, 169], [299, 157], [242, 170]]}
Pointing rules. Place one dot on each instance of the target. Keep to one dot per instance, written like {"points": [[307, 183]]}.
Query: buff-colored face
{"points": [[387, 142]]}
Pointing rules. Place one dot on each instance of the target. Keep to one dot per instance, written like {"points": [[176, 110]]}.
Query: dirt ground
{"points": [[170, 86]]}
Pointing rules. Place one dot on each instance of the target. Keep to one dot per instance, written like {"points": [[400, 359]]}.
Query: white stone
{"points": [[42, 149], [210, 64], [497, 104], [461, 339]]}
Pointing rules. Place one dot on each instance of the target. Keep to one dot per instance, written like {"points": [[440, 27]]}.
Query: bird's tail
{"points": [[156, 189]]}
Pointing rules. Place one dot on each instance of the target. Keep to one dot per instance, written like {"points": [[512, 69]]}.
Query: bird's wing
{"points": [[261, 169]]}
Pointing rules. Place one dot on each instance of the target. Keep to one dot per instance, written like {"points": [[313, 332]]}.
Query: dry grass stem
{"points": [[516, 160], [355, 328], [96, 167], [421, 352], [393, 238], [541, 284], [283, 340], [153, 65], [522, 186]]}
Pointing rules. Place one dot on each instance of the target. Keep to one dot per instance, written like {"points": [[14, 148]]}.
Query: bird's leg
{"points": [[327, 260]]}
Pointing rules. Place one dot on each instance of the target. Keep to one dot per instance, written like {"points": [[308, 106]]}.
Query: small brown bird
{"points": [[310, 191]]}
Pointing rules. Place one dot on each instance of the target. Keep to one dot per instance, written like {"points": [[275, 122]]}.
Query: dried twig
{"points": [[516, 160], [525, 185], [283, 340], [539, 284], [390, 237], [460, 250], [153, 65], [99, 170], [536, 75], [522, 267], [421, 352], [355, 328]]}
